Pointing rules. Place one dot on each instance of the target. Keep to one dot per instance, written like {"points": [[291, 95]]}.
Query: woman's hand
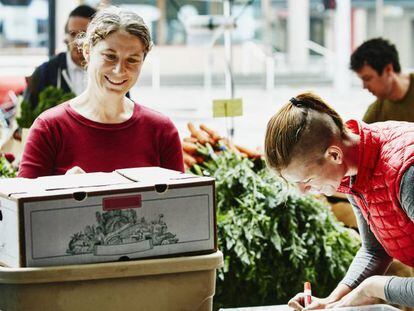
{"points": [[298, 302], [75, 170], [370, 291]]}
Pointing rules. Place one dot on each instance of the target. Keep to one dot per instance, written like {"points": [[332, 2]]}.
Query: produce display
{"points": [[273, 238]]}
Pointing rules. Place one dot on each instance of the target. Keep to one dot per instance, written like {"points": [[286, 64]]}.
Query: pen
{"points": [[308, 294]]}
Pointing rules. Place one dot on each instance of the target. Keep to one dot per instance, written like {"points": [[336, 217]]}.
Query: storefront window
{"points": [[23, 23]]}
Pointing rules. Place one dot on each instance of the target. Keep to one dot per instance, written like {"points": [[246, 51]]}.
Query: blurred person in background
{"points": [[376, 62], [101, 129], [65, 70]]}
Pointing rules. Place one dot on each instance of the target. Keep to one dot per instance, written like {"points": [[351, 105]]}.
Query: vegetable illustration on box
{"points": [[120, 232]]}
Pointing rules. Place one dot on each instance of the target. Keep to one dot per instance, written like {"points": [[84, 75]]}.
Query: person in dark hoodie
{"points": [[65, 70]]}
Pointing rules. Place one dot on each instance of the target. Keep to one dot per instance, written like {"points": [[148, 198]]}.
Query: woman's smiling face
{"points": [[114, 63], [322, 176]]}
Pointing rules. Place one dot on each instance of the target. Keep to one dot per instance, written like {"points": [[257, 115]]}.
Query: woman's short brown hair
{"points": [[112, 19], [305, 127]]}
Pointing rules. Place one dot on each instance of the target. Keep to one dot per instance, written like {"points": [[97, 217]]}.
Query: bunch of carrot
{"points": [[205, 135]]}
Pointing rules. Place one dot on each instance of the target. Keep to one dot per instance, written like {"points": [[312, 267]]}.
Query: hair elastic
{"points": [[296, 102]]}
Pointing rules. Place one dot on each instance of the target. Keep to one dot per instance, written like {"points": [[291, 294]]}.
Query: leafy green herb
{"points": [[6, 169], [272, 237], [48, 98]]}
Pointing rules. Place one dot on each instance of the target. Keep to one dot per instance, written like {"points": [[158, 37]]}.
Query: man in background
{"points": [[64, 70], [376, 63]]}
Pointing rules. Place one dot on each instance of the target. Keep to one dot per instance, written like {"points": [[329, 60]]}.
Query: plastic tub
{"points": [[180, 283]]}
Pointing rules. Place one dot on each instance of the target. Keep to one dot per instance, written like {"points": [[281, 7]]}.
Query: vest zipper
{"points": [[364, 202]]}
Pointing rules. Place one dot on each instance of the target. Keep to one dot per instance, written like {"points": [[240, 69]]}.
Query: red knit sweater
{"points": [[61, 138]]}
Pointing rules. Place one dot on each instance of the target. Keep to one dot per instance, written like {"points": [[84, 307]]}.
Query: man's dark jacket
{"points": [[45, 75]]}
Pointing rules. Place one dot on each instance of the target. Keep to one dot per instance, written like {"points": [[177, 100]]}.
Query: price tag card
{"points": [[227, 107]]}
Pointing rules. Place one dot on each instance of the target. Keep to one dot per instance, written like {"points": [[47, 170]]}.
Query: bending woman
{"points": [[307, 143]]}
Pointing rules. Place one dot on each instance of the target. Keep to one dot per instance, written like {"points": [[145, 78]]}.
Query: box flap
{"points": [[10, 186], [81, 181], [154, 175]]}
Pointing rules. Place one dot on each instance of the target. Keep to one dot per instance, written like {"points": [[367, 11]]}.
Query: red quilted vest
{"points": [[386, 151]]}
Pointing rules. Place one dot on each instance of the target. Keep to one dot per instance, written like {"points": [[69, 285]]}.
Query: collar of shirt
{"points": [[77, 75]]}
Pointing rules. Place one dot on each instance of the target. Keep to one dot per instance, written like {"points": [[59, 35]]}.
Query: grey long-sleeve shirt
{"points": [[371, 259]]}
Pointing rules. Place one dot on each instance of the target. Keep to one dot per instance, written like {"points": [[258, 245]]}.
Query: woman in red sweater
{"points": [[101, 129]]}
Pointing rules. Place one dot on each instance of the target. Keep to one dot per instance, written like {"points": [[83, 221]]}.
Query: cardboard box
{"points": [[98, 217]]}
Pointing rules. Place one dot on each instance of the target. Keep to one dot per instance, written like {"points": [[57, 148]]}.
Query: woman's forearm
{"points": [[374, 286]]}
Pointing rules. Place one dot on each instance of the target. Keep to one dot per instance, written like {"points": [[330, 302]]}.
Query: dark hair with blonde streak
{"points": [[303, 128], [112, 19]]}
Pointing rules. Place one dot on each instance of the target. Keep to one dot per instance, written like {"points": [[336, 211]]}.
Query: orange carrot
{"points": [[190, 148], [250, 153], [190, 139], [192, 129], [199, 159], [201, 136], [189, 160], [213, 134]]}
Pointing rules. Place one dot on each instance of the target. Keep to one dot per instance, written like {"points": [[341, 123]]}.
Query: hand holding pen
{"points": [[299, 301], [304, 300], [307, 292]]}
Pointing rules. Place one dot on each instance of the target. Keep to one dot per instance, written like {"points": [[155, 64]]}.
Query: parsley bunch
{"points": [[6, 169], [48, 98]]}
